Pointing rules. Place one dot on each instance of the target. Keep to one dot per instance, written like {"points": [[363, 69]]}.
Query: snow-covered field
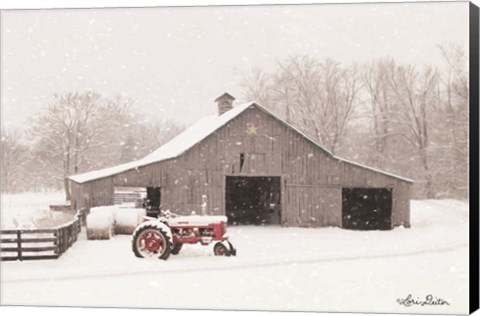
{"points": [[31, 210], [276, 268]]}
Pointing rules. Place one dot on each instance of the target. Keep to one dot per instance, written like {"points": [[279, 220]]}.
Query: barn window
{"points": [[242, 161]]}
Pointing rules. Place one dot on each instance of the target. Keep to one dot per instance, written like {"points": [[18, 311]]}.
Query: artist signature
{"points": [[427, 300]]}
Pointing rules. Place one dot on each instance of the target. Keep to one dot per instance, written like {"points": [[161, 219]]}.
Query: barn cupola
{"points": [[224, 103]]}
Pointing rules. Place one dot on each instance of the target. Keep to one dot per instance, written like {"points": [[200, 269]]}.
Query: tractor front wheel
{"points": [[221, 250], [176, 249], [151, 241]]}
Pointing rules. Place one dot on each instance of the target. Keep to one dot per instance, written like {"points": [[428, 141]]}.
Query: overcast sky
{"points": [[175, 61]]}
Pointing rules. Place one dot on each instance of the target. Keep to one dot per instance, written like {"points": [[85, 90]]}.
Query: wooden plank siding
{"points": [[313, 206], [312, 179], [94, 193]]}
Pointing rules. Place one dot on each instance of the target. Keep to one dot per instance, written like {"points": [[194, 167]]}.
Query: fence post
{"points": [[60, 241], [55, 234], [19, 244], [70, 234], [65, 236], [63, 239], [74, 230], [84, 216]]}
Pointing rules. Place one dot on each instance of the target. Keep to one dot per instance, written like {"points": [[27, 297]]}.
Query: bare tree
{"points": [[410, 120], [317, 97], [115, 123], [416, 97], [79, 132], [296, 84], [380, 106], [257, 86], [148, 136], [162, 131], [14, 157], [453, 112], [65, 130], [339, 99], [320, 98]]}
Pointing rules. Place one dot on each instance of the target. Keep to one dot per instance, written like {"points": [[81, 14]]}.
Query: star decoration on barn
{"points": [[252, 130]]}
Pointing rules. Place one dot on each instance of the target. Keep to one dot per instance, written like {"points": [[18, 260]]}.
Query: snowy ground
{"points": [[31, 210], [276, 269]]}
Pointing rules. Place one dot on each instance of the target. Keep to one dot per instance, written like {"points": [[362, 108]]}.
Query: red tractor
{"points": [[160, 237]]}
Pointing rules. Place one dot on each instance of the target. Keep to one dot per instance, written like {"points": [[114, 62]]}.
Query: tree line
{"points": [[402, 118], [406, 119], [77, 132]]}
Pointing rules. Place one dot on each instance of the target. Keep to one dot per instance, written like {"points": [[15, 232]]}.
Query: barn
{"points": [[249, 164]]}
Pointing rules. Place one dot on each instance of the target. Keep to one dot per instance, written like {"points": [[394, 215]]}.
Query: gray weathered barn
{"points": [[254, 167]]}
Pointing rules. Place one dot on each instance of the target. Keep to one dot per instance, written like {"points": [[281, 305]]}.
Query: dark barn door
{"points": [[367, 208], [153, 201], [253, 200]]}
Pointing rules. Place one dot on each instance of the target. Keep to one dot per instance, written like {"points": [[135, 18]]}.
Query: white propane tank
{"points": [[204, 204]]}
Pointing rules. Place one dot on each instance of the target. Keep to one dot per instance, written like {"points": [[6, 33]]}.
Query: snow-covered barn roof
{"points": [[193, 135], [174, 148]]}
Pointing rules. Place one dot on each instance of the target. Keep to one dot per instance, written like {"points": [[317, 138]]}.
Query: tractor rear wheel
{"points": [[221, 250], [151, 241], [176, 249]]}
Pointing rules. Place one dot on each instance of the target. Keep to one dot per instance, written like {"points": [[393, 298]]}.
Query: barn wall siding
{"points": [[94, 193], [312, 180], [313, 206]]}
